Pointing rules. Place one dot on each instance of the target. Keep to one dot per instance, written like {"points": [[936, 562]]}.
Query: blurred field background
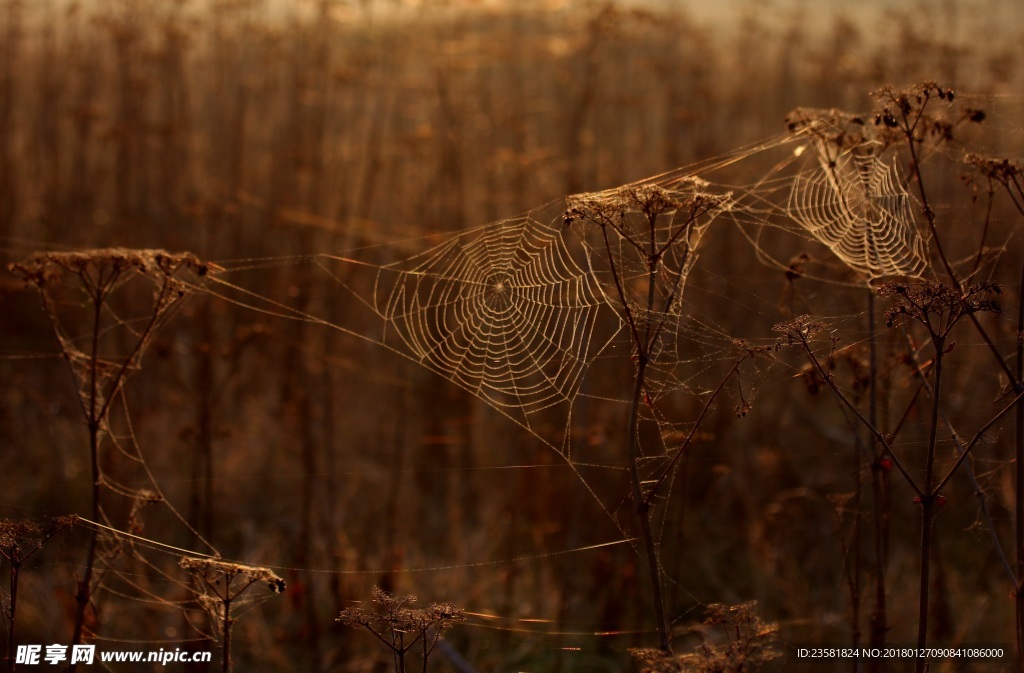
{"points": [[244, 130]]}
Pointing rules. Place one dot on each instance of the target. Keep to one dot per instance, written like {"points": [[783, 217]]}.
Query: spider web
{"points": [[852, 198], [504, 312], [508, 312], [857, 206], [520, 312], [524, 313], [536, 315]]}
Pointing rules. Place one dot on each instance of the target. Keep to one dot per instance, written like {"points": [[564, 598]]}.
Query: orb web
{"points": [[504, 311], [855, 204]]}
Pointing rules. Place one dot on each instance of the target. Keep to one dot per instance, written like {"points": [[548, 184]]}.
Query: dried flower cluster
{"points": [[905, 111], [798, 330], [994, 168], [937, 306], [20, 539], [398, 625], [608, 208], [844, 130], [395, 614], [42, 268], [745, 644], [213, 570]]}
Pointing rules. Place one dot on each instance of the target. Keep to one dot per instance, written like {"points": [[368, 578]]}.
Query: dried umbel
{"points": [[395, 613], [798, 330], [21, 539], [908, 112], [938, 306], [98, 274], [100, 266], [746, 643], [401, 627], [214, 570], [650, 230], [689, 199], [1004, 171], [222, 583], [835, 128]]}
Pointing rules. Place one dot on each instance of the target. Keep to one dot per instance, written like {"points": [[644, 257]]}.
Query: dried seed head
{"points": [[799, 329], [19, 539], [44, 267], [924, 300], [999, 169], [833, 128], [210, 568], [394, 614], [689, 195]]}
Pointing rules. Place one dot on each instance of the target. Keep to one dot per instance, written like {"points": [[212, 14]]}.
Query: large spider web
{"points": [[508, 312], [504, 312], [519, 312], [856, 205], [852, 198]]}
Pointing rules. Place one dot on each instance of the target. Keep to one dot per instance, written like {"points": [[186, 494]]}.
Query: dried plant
{"points": [[655, 230], [834, 131], [744, 643], [910, 112], [938, 306], [1007, 176], [1006, 172], [394, 622], [98, 376], [19, 541], [221, 585]]}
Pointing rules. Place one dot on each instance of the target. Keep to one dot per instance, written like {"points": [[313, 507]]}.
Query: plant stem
{"points": [[93, 423], [879, 622], [927, 509], [225, 662], [644, 346], [643, 510], [922, 621], [12, 611], [1019, 479], [979, 493]]}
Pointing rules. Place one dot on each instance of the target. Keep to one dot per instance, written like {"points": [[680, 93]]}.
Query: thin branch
{"points": [[693, 431], [871, 428]]}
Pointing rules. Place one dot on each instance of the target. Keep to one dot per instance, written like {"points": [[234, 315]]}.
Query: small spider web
{"points": [[856, 205]]}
